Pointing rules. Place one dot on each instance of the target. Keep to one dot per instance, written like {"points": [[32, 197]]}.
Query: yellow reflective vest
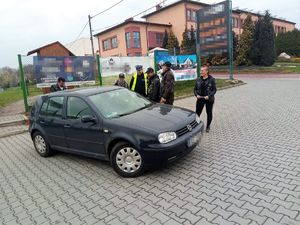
{"points": [[135, 79]]}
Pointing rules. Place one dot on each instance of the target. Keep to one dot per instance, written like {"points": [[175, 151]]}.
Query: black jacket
{"points": [[209, 86], [154, 88], [55, 87], [167, 87]]}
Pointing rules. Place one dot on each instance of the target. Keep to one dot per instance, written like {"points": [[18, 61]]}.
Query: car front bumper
{"points": [[157, 155]]}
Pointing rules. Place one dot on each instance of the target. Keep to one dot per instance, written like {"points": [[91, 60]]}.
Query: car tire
{"points": [[126, 160], [41, 144]]}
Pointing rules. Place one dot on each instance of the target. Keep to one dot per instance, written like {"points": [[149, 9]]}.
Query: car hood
{"points": [[158, 118]]}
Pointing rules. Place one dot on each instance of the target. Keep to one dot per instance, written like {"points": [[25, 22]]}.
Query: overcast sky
{"points": [[27, 25]]}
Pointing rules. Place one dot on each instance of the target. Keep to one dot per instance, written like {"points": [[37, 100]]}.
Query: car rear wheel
{"points": [[126, 160], [41, 145]]}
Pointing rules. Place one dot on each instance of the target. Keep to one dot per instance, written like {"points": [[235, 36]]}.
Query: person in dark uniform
{"points": [[121, 81], [153, 85], [205, 90], [59, 86], [167, 85], [139, 81]]}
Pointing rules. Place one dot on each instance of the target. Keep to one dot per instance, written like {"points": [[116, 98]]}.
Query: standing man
{"points": [[153, 86], [59, 86], [167, 85], [139, 81], [121, 82], [205, 90]]}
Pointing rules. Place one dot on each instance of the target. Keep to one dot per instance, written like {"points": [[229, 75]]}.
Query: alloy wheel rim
{"points": [[40, 144], [128, 160]]}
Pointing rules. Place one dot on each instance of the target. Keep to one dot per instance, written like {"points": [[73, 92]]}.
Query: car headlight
{"points": [[167, 137]]}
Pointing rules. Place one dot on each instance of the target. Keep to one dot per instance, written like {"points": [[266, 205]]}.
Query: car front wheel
{"points": [[126, 160], [41, 145]]}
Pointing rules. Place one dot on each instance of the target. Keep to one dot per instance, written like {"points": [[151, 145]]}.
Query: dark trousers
{"points": [[209, 108]]}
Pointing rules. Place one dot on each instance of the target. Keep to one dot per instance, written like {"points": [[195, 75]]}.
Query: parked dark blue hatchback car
{"points": [[115, 124]]}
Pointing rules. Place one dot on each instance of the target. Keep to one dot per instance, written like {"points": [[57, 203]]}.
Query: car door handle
{"points": [[67, 126], [42, 121]]}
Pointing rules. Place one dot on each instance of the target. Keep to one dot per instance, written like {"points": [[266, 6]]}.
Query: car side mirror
{"points": [[88, 119]]}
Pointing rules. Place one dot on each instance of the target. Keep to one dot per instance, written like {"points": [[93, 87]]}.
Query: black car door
{"points": [[51, 120], [83, 136]]}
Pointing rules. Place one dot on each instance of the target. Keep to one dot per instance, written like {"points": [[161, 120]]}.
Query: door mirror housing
{"points": [[88, 119]]}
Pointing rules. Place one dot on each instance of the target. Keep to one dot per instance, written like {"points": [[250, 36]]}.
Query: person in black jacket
{"points": [[59, 86], [205, 90], [167, 85], [153, 85]]}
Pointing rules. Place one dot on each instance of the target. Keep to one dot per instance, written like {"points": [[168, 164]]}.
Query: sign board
{"points": [[213, 29], [76, 70], [184, 67], [112, 66]]}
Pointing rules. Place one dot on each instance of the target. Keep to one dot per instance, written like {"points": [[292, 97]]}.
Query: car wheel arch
{"points": [[115, 141]]}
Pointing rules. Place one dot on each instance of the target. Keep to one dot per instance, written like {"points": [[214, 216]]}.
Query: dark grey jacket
{"points": [[167, 87], [154, 88]]}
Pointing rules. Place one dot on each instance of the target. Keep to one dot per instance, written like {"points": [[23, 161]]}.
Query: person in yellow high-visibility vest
{"points": [[139, 81]]}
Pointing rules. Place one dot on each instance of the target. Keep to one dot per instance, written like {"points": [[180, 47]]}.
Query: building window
{"points": [[128, 40], [136, 39], [193, 15], [159, 38], [138, 54], [188, 14], [114, 42], [234, 22], [106, 44]]}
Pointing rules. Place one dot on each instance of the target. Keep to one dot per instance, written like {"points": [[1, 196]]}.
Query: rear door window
{"points": [[53, 107], [77, 108]]}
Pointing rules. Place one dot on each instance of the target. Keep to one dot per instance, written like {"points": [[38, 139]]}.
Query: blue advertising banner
{"points": [[76, 70], [184, 67]]}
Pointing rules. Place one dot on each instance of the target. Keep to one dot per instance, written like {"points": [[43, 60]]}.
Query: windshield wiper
{"points": [[128, 113]]}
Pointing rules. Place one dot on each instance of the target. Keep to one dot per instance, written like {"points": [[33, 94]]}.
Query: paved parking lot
{"points": [[245, 171]]}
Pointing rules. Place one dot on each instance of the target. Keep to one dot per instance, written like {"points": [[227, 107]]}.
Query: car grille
{"points": [[185, 129]]}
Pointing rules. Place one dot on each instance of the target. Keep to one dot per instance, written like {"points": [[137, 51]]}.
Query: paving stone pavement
{"points": [[245, 171]]}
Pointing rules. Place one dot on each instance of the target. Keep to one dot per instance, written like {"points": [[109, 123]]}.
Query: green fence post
{"points": [[155, 63], [198, 51], [27, 89], [230, 44], [22, 83], [99, 69]]}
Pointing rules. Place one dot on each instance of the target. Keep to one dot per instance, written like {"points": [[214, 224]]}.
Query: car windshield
{"points": [[119, 102]]}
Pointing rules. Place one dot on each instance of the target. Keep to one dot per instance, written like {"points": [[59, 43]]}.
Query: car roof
{"points": [[84, 91]]}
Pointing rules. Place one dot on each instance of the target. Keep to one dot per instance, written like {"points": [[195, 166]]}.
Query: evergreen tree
{"points": [[234, 44], [255, 54], [288, 42], [267, 41], [245, 43], [165, 40], [173, 44], [193, 41], [186, 43]]}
